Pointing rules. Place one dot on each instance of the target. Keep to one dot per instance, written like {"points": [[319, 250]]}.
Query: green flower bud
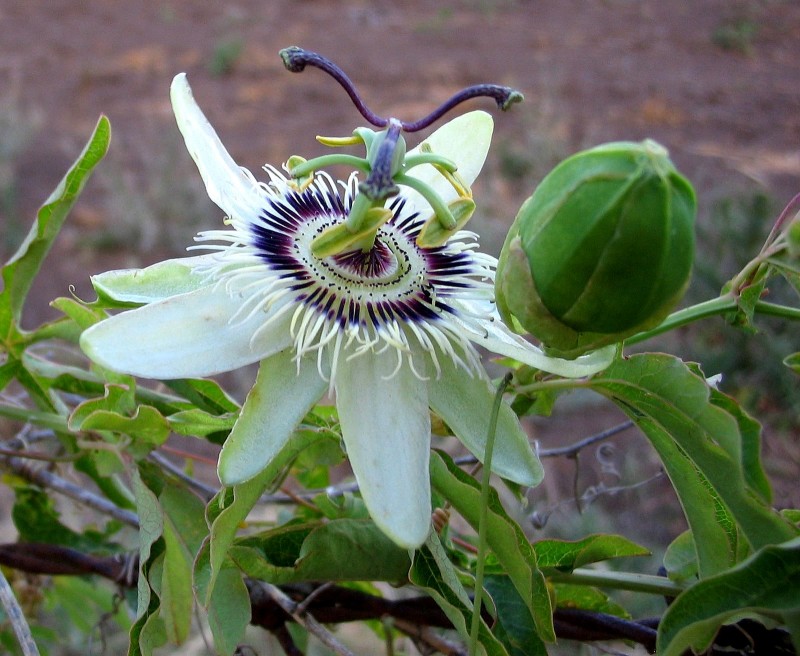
{"points": [[602, 250]]}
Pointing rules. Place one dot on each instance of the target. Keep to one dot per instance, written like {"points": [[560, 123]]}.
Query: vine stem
{"points": [[484, 514], [657, 585], [15, 615], [715, 306]]}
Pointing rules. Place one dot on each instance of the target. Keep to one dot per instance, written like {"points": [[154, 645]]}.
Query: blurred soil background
{"points": [[716, 81]]}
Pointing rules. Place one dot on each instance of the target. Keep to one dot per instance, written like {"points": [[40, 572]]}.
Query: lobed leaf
{"points": [[514, 627], [565, 555], [145, 636], [117, 412], [674, 407], [505, 538], [766, 582], [172, 528], [227, 511], [338, 550], [19, 272], [432, 571]]}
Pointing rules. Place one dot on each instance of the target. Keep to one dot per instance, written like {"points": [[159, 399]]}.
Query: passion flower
{"points": [[603, 249], [389, 329]]}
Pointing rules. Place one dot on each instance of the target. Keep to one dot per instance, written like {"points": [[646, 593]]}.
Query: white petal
{"points": [[227, 184], [184, 336], [386, 429], [496, 337], [153, 283], [276, 404], [465, 140], [465, 403]]}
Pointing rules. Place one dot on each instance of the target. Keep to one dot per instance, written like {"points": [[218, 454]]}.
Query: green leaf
{"points": [[338, 550], [228, 610], [116, 413], [143, 636], [63, 377], [116, 398], [37, 520], [199, 423], [566, 556], [111, 486], [792, 361], [433, 572], [750, 433], [204, 394], [672, 406], [713, 528], [21, 269], [585, 597], [514, 627], [767, 582], [171, 532], [184, 530], [505, 538], [680, 558], [227, 511], [82, 316]]}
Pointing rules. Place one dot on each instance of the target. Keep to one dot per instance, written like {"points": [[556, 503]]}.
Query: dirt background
{"points": [[716, 81]]}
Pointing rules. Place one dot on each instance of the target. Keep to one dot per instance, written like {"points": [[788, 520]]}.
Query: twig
{"points": [[306, 620], [207, 492], [17, 618], [432, 640], [567, 451], [46, 479], [588, 441]]}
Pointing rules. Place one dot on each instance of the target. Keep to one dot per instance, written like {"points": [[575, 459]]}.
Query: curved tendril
{"points": [[295, 59], [503, 96]]}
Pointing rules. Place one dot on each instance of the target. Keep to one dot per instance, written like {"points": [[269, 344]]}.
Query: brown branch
{"points": [[48, 480], [314, 605]]}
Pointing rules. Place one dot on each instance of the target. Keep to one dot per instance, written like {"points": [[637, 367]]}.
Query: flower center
{"points": [[379, 262], [396, 294], [390, 283]]}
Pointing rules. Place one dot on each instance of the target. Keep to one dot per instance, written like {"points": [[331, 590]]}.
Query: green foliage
{"points": [[18, 273], [433, 572], [339, 550], [766, 583], [749, 346], [505, 538]]}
